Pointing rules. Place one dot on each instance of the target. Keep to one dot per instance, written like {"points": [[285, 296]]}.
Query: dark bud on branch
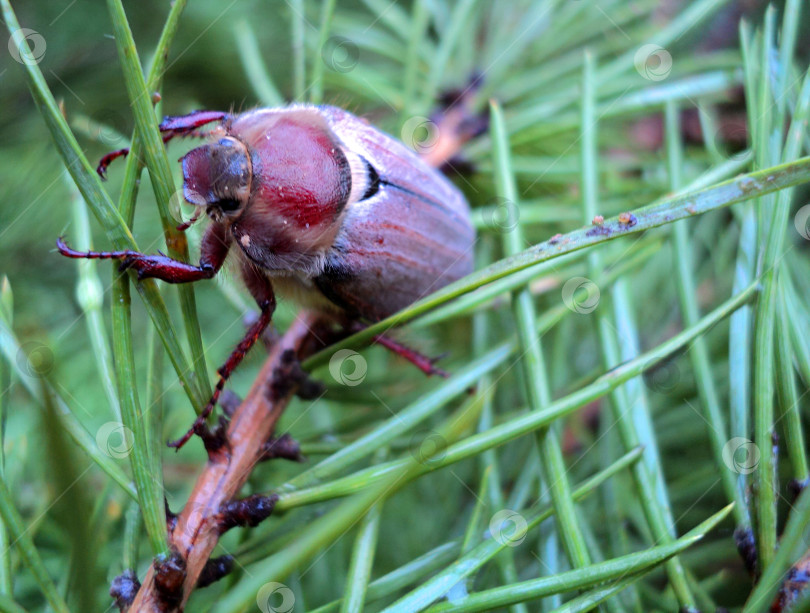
{"points": [[250, 511], [124, 588], [214, 570], [170, 573], [747, 548], [229, 401], [285, 447], [215, 440], [289, 377]]}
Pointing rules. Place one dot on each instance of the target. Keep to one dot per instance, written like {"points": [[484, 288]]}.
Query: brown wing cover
{"points": [[407, 240]]}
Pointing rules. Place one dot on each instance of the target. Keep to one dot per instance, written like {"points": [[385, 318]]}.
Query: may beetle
{"points": [[322, 206]]}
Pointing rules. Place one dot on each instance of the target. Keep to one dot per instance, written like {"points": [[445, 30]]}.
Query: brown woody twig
{"points": [[212, 506]]}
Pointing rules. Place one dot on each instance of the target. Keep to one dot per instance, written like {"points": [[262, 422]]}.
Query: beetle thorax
{"points": [[302, 181]]}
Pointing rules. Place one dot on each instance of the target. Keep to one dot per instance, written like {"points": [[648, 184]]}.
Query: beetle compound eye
{"points": [[218, 176], [229, 205]]}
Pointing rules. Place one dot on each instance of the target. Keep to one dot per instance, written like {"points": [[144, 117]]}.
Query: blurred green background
{"points": [[205, 70]]}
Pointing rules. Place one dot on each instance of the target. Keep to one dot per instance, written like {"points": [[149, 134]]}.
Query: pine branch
{"points": [[210, 509]]}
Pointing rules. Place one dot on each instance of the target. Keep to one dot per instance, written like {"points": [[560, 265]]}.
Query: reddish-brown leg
{"points": [[262, 290], [213, 250], [422, 362], [190, 222], [180, 125]]}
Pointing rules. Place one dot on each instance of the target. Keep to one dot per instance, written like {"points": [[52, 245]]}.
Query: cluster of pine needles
{"points": [[629, 362]]}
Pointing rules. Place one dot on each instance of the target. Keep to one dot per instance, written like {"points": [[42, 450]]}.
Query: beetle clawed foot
{"points": [[422, 362], [201, 429], [425, 364], [178, 444], [436, 370], [182, 227], [214, 439], [158, 266], [69, 252], [104, 163]]}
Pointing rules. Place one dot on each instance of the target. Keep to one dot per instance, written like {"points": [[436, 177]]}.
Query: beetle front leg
{"points": [[262, 290], [179, 125], [213, 251]]}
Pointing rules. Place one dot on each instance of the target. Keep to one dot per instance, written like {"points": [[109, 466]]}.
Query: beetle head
{"points": [[218, 176]]}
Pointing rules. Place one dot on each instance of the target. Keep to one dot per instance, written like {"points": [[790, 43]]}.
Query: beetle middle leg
{"points": [[179, 125], [262, 291]]}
